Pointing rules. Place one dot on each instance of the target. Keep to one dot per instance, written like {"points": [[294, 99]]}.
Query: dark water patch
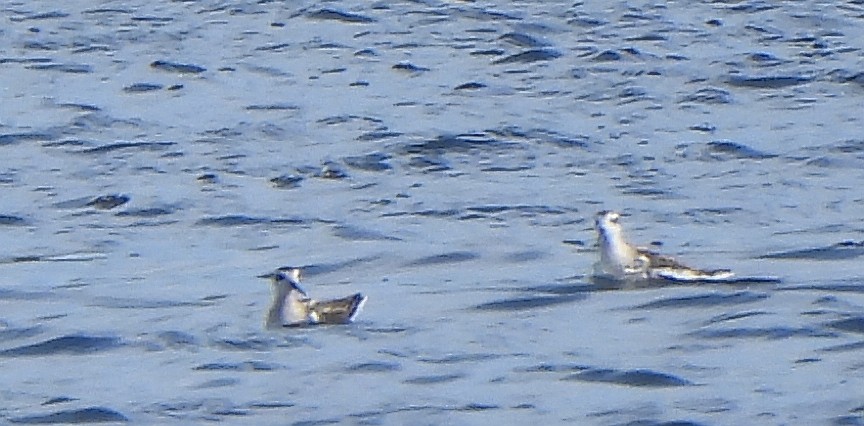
{"points": [[733, 316], [851, 325], [326, 268], [433, 380], [58, 400], [24, 60], [178, 339], [461, 143], [175, 67], [269, 405], [14, 138], [856, 419], [67, 68], [471, 85], [409, 67], [719, 211], [529, 56], [846, 347], [607, 56], [562, 289], [251, 344], [66, 142], [242, 220], [445, 258], [452, 359], [528, 303], [764, 59], [339, 16], [208, 178], [386, 330], [522, 40], [66, 345], [329, 170], [7, 334], [704, 127], [770, 333], [703, 300], [498, 208], [54, 14], [288, 181], [136, 146], [80, 416], [273, 47], [373, 367], [374, 417], [238, 366], [66, 257], [752, 7], [767, 82], [647, 37], [552, 368], [506, 169], [107, 202], [321, 422], [217, 383], [429, 164], [635, 378], [372, 162], [644, 189], [725, 150], [341, 119], [839, 76], [146, 212], [143, 87], [852, 146], [833, 288], [273, 107], [488, 52], [9, 220], [352, 233], [152, 19], [839, 251], [475, 406], [525, 256], [377, 135], [541, 136]]}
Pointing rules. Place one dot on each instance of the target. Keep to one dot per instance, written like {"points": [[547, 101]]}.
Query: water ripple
{"points": [[66, 345]]}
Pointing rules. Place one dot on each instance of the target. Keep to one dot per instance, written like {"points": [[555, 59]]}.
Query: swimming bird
{"points": [[290, 300], [621, 260]]}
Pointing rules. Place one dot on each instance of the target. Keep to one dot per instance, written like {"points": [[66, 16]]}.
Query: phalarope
{"points": [[622, 260], [289, 298]]}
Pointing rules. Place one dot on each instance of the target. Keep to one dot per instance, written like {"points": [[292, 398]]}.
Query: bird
{"points": [[291, 301], [623, 261]]}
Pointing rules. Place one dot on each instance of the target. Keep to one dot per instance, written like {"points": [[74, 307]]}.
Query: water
{"points": [[445, 158]]}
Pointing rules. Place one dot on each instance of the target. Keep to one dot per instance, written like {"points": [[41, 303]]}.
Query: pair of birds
{"points": [[619, 260]]}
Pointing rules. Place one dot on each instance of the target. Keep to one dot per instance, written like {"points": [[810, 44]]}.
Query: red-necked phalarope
{"points": [[621, 260], [289, 298]]}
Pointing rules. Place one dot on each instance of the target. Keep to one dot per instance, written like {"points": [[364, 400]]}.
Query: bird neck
{"points": [[275, 318]]}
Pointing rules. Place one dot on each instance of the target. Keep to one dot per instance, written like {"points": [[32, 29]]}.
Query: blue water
{"points": [[446, 159]]}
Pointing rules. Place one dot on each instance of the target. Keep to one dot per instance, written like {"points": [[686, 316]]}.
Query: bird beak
{"points": [[270, 275]]}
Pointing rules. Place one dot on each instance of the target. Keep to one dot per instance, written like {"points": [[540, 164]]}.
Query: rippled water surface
{"points": [[446, 158]]}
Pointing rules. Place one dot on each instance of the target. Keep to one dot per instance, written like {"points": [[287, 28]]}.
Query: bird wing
{"points": [[668, 268]]}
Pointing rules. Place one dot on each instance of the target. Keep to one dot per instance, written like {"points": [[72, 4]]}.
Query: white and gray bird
{"points": [[292, 306], [623, 261]]}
